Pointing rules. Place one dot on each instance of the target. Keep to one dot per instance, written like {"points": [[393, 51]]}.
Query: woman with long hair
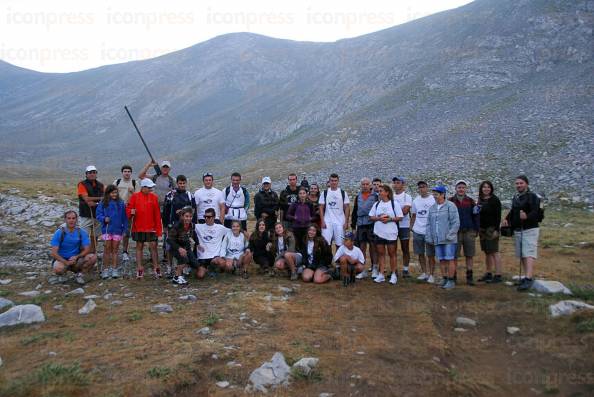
{"points": [[111, 214], [490, 220], [314, 198], [300, 214], [282, 248], [317, 257], [258, 242]]}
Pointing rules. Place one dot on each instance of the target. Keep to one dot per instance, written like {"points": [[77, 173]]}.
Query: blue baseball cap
{"points": [[349, 236], [440, 189]]}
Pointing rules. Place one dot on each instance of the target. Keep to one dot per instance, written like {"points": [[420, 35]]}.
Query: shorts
{"points": [[298, 258], [466, 242], [204, 262], [526, 243], [365, 234], [144, 237], [383, 241], [189, 259], [403, 233], [323, 269], [79, 262], [420, 247], [490, 246], [333, 232], [87, 225], [262, 260], [109, 236], [446, 252], [229, 222]]}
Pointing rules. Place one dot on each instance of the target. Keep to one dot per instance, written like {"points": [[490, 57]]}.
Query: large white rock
{"points": [[5, 281], [5, 303], [270, 374], [161, 308], [565, 308], [88, 307], [306, 364], [78, 291], [550, 287], [22, 314]]}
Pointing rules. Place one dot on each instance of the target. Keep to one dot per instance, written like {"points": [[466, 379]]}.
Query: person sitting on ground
{"points": [[317, 257], [489, 223], [300, 215], [126, 188], [235, 254], [386, 213], [180, 246], [259, 239], [90, 192], [111, 214], [266, 203], [210, 239], [282, 248], [143, 211], [443, 223], [71, 249], [350, 258]]}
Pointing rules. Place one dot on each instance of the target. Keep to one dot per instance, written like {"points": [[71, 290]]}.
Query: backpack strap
{"points": [[118, 181], [133, 184]]}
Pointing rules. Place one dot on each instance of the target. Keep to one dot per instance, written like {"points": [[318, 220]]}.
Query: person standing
{"points": [[90, 192], [266, 204], [209, 196], [300, 214], [469, 227], [426, 252], [405, 201], [524, 217], [237, 202], [314, 197], [490, 220], [288, 197], [126, 188], [363, 226], [334, 212], [111, 214], [443, 223]]}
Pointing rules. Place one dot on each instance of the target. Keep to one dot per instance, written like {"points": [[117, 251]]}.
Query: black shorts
{"points": [[144, 237], [204, 262], [383, 241], [365, 234]]}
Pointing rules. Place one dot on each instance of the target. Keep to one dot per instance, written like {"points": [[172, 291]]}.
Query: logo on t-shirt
{"points": [[422, 212], [208, 201], [332, 203], [208, 238]]}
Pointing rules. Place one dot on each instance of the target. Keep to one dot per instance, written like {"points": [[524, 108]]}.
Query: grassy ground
{"points": [[371, 339]]}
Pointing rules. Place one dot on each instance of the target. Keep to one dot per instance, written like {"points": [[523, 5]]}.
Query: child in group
{"points": [[111, 214], [350, 258], [235, 253]]}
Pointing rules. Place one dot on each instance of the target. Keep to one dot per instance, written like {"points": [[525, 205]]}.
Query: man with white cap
{"points": [[89, 192], [145, 216], [266, 203]]}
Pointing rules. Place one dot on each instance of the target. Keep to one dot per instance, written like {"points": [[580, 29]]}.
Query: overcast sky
{"points": [[71, 35]]}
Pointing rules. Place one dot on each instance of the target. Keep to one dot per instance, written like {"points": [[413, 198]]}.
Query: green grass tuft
{"points": [[159, 372]]}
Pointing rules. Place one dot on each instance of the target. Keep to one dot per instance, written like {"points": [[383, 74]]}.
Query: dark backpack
{"points": [[342, 193], [393, 209], [133, 183], [541, 209]]}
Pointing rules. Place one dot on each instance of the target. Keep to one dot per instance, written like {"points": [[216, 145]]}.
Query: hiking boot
{"points": [[393, 279], [79, 279], [139, 274], [526, 284], [294, 276], [125, 257], [105, 274], [449, 284], [496, 279], [487, 278], [362, 275], [115, 273], [405, 273], [469, 278]]}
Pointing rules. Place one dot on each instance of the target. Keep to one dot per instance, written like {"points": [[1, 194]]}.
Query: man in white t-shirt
{"points": [[334, 212], [210, 240], [350, 258], [405, 201], [209, 197], [126, 188], [237, 202], [426, 252]]}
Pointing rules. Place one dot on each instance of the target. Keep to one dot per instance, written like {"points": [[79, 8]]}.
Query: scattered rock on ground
{"points": [[56, 280], [22, 314], [550, 287], [108, 296], [306, 365], [465, 322], [115, 303], [87, 297], [223, 384], [88, 307], [459, 329], [189, 298], [162, 308], [58, 307], [78, 291], [270, 374], [203, 331], [30, 294], [568, 307], [5, 303], [5, 282], [513, 330]]}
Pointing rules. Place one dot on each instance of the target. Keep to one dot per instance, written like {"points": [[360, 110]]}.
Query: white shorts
{"points": [[87, 225], [527, 243], [333, 231]]}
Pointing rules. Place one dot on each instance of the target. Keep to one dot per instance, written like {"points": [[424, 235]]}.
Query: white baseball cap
{"points": [[266, 179], [459, 181], [90, 168], [146, 182], [165, 163]]}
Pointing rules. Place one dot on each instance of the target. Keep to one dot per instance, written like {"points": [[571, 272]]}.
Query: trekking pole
{"points": [[156, 166], [129, 269], [94, 238], [521, 249]]}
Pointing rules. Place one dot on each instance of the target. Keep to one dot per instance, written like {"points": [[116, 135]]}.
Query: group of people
{"points": [[205, 232]]}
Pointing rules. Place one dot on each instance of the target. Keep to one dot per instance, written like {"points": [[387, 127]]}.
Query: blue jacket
{"points": [[116, 212], [442, 224]]}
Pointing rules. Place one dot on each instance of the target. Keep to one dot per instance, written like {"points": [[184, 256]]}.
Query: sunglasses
{"points": [[206, 174]]}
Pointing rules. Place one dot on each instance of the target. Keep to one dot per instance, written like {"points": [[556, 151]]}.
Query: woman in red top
{"points": [[145, 216]]}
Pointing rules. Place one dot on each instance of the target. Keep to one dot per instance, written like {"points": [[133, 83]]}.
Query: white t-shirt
{"points": [[387, 231], [355, 253], [310, 250], [404, 199], [280, 245], [211, 239], [123, 189], [334, 206], [233, 246], [208, 198], [420, 207]]}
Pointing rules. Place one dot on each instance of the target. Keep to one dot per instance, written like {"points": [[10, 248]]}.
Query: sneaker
{"points": [[496, 279], [443, 282], [157, 273], [125, 257], [300, 269], [374, 271], [486, 278], [140, 274], [362, 275], [380, 278], [115, 273], [105, 274], [186, 271], [393, 278], [294, 276], [449, 284], [405, 273], [423, 277], [179, 280], [526, 284], [169, 272], [430, 279], [79, 279], [469, 279]]}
